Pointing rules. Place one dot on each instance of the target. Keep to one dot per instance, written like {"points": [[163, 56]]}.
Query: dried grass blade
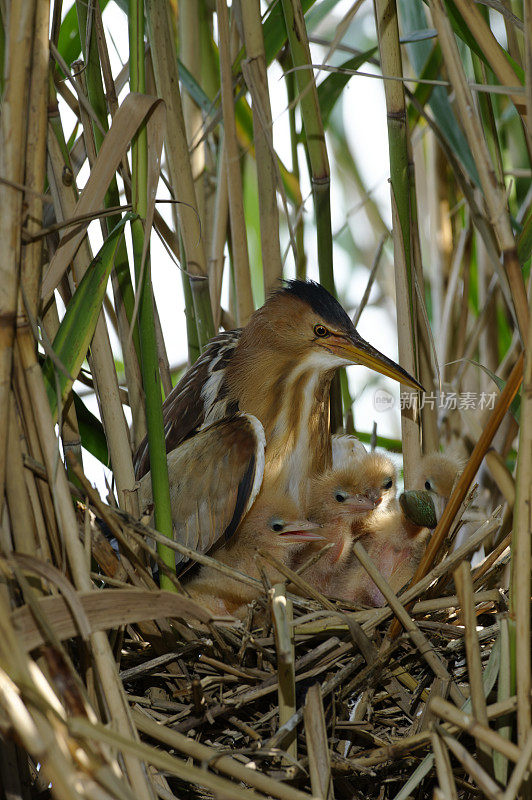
{"points": [[135, 109], [104, 610], [464, 586], [80, 727], [221, 762], [480, 731], [317, 745], [282, 617], [443, 768]]}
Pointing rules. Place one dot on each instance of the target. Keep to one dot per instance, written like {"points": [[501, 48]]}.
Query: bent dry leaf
{"points": [[134, 111], [73, 338]]}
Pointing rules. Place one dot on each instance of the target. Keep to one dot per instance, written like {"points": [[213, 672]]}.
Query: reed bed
{"points": [[113, 682]]}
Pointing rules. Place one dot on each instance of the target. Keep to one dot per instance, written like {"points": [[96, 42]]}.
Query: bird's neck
{"points": [[291, 399]]}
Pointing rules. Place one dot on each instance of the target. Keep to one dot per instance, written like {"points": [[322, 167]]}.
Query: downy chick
{"points": [[274, 524], [395, 542], [437, 473], [347, 502], [346, 449]]}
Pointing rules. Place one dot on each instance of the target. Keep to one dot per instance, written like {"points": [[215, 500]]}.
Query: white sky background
{"points": [[367, 137]]}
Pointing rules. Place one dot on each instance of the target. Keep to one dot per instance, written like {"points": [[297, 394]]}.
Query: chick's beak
{"points": [[357, 504], [358, 351], [302, 531]]}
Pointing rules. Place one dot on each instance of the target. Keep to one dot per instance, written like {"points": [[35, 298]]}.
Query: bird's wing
{"points": [[194, 398], [215, 477]]}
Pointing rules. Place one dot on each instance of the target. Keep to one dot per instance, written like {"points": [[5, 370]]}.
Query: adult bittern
{"points": [[272, 524], [279, 369]]}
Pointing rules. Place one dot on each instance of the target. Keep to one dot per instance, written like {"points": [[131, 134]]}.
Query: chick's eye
{"points": [[340, 497], [428, 487], [276, 525], [321, 330], [388, 484]]}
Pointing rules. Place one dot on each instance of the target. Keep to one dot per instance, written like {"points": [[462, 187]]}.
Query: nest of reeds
{"points": [[304, 697]]}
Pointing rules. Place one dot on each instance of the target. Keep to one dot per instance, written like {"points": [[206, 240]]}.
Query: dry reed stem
{"points": [[494, 194], [281, 607], [464, 587], [254, 71], [443, 768], [317, 745], [209, 755], [492, 50], [179, 166], [482, 779], [35, 167], [239, 245], [101, 356], [418, 638], [174, 766], [462, 487], [402, 198], [521, 554], [18, 43], [479, 731], [101, 651]]}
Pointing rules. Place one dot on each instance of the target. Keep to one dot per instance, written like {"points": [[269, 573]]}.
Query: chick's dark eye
{"points": [[277, 527], [388, 484], [428, 487], [340, 497], [321, 330]]}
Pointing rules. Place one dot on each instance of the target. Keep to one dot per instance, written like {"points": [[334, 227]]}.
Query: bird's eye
{"points": [[341, 497], [277, 525], [321, 330], [387, 484], [428, 487]]}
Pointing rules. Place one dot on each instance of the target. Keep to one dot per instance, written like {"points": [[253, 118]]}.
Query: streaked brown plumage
{"points": [[278, 369], [216, 476], [272, 524]]}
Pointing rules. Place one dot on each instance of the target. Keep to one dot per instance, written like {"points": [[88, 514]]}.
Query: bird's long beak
{"points": [[302, 531], [361, 352]]}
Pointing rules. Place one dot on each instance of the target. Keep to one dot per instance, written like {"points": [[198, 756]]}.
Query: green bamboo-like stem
{"points": [[148, 344], [254, 70], [403, 218], [319, 163], [122, 285], [164, 62]]}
